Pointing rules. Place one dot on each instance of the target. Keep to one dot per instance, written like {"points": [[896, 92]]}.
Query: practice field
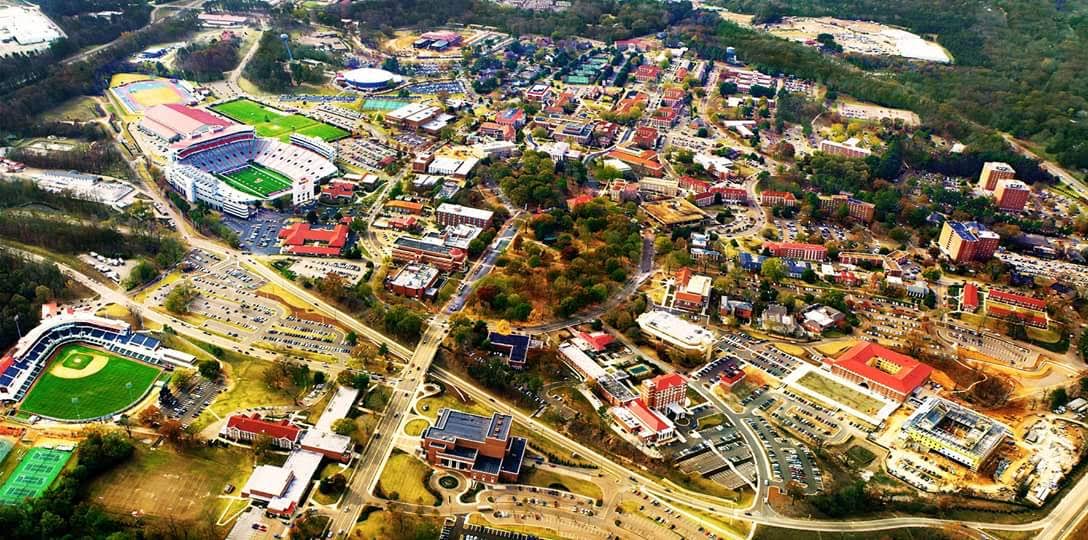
{"points": [[35, 473], [270, 122], [82, 382], [257, 180]]}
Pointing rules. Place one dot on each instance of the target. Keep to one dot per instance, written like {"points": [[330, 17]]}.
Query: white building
{"points": [[314, 144], [677, 332], [196, 185]]}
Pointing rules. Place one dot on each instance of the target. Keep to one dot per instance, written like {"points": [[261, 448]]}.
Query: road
{"points": [[1060, 173], [160, 13]]}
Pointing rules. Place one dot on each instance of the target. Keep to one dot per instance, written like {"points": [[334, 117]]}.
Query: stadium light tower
{"points": [[75, 401], [287, 45], [17, 327], [128, 386]]}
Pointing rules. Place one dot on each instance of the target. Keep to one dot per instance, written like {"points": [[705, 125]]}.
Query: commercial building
{"points": [[1011, 195], [477, 446], [413, 280], [651, 427], [992, 172], [412, 115], [677, 332], [407, 249], [856, 209], [777, 198], [956, 432], [301, 239], [457, 168], [967, 242], [454, 214], [242, 428], [882, 370], [797, 250], [848, 149], [664, 390], [692, 291]]}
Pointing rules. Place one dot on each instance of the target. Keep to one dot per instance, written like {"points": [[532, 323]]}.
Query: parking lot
{"points": [[449, 87], [259, 233], [184, 407], [319, 268], [365, 153]]}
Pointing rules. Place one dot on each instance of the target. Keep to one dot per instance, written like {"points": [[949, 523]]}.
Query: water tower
{"points": [[287, 45]]}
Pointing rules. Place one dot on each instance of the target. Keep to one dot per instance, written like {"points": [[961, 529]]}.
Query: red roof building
{"points": [[777, 198], [646, 137], [673, 96], [301, 239], [797, 250], [1018, 300], [599, 341], [498, 131], [664, 390], [647, 72], [338, 190], [644, 162], [693, 184], [882, 370], [664, 118], [1030, 319], [575, 202], [246, 428], [969, 302]]}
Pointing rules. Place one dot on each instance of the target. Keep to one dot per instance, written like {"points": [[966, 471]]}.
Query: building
{"points": [[822, 318], [777, 198], [956, 432], [651, 428], [663, 118], [316, 145], [497, 131], [477, 446], [718, 167], [677, 332], [407, 249], [574, 132], [338, 189], [413, 280], [457, 168], [673, 212], [538, 93], [514, 346], [653, 187], [642, 162], [512, 117], [171, 122], [595, 341], [368, 78], [647, 72], [453, 214], [893, 375], [245, 429], [646, 137], [412, 115], [1011, 195], [969, 300], [856, 209], [578, 361], [399, 206], [797, 250], [196, 185], [776, 318], [992, 172], [692, 291], [673, 96], [848, 149], [664, 390], [1011, 306], [280, 488], [301, 239], [967, 242]]}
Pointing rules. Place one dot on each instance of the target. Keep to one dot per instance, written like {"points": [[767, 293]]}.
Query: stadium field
{"points": [[34, 474], [270, 122], [257, 180], [81, 382]]}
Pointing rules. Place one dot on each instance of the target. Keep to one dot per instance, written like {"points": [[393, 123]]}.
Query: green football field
{"points": [[34, 474], [256, 180], [104, 390], [269, 122]]}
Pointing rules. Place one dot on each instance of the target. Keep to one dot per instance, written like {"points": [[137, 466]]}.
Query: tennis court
{"points": [[383, 104], [34, 474], [258, 181]]}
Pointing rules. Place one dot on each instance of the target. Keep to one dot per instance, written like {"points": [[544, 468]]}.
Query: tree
{"points": [[354, 379], [182, 379], [1058, 398], [344, 426], [263, 444], [150, 416], [774, 269], [209, 369], [334, 484]]}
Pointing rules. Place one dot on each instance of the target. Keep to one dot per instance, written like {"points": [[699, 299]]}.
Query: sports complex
{"points": [[272, 122], [78, 367], [34, 474], [257, 181]]}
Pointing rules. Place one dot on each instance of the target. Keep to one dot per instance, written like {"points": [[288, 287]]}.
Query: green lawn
{"points": [[403, 480], [269, 122], [552, 480], [840, 393], [256, 180], [96, 395], [859, 456]]}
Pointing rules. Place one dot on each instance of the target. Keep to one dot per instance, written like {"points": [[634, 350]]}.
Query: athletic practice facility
{"points": [[138, 96], [34, 474], [225, 165], [368, 79], [76, 366]]}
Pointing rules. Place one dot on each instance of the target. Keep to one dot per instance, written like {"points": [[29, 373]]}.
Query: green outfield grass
{"points": [[256, 180], [269, 122], [98, 394]]}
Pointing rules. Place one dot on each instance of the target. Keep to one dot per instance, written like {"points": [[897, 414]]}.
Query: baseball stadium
{"points": [[78, 367]]}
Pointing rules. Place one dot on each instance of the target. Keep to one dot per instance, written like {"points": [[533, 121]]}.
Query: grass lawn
{"points": [[270, 122], [257, 180], [833, 349], [377, 398], [415, 427], [711, 420], [101, 392], [403, 479], [79, 109], [840, 393], [385, 525], [790, 348], [859, 456], [165, 482], [764, 532], [548, 479], [706, 486], [429, 407]]}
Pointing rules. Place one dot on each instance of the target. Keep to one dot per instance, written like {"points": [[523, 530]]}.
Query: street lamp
{"points": [[75, 401], [17, 327], [128, 386]]}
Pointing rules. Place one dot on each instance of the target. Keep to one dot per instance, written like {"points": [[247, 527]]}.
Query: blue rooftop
{"points": [[517, 346]]}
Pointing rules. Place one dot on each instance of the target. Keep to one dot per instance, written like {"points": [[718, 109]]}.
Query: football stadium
{"points": [[228, 167], [78, 367]]}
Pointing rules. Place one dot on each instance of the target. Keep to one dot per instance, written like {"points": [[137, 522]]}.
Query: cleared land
{"points": [[257, 180], [404, 478], [101, 393], [840, 393], [34, 474], [269, 122]]}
